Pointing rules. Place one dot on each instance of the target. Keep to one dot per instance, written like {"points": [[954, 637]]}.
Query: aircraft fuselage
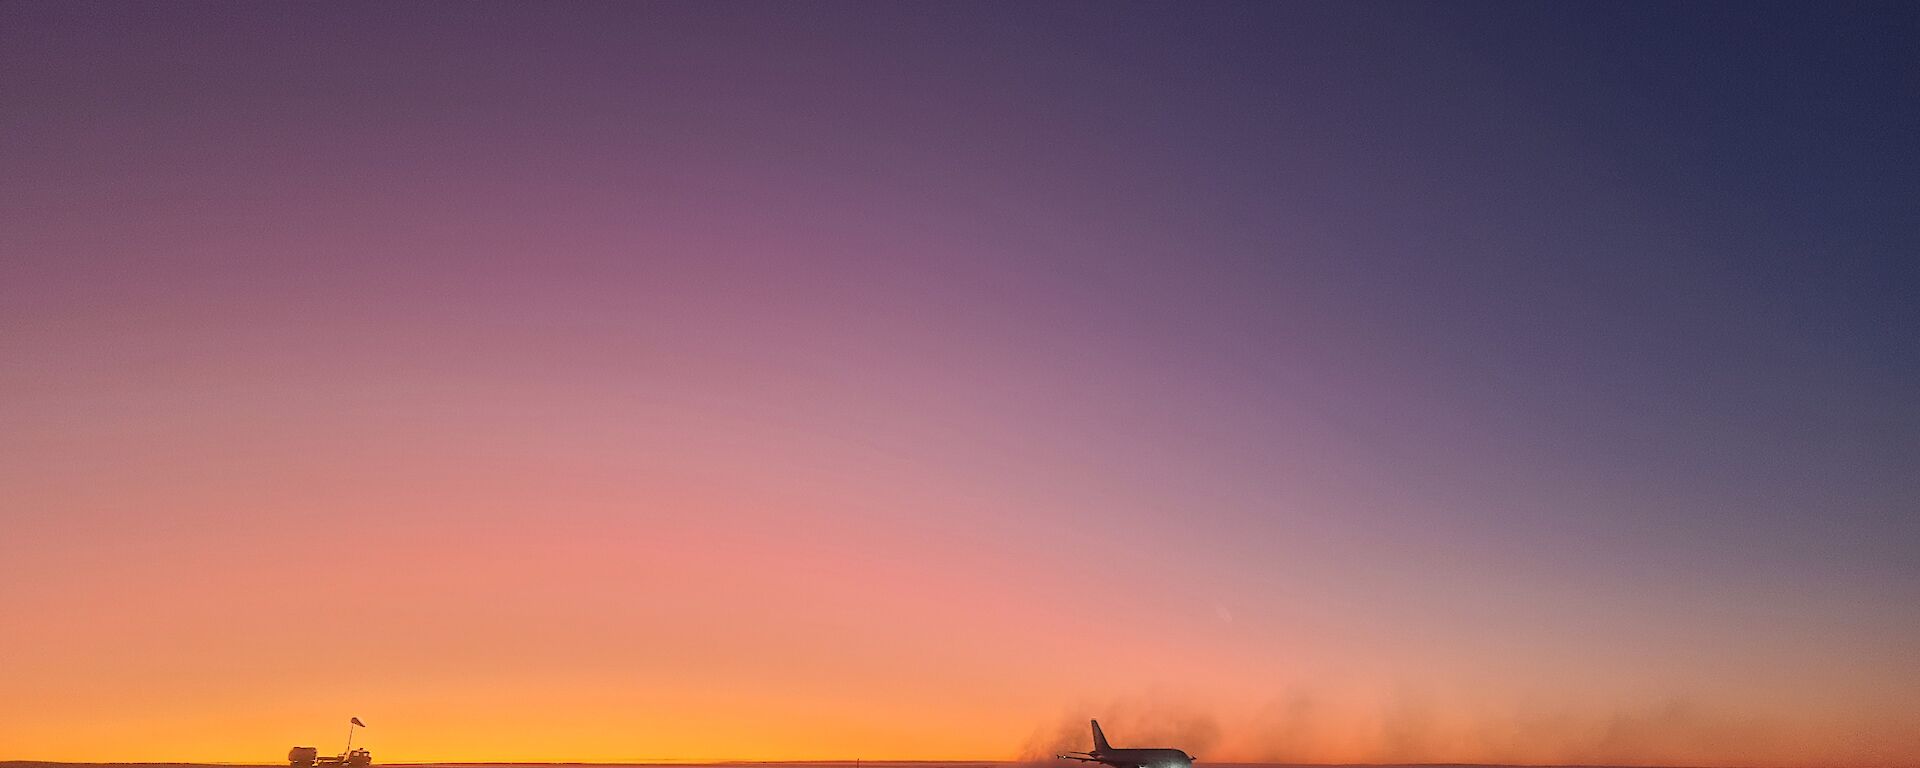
{"points": [[1143, 758]]}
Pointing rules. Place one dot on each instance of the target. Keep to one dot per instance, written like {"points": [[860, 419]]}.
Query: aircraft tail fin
{"points": [[1099, 739]]}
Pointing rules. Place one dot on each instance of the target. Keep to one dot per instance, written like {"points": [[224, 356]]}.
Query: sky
{"points": [[1359, 382]]}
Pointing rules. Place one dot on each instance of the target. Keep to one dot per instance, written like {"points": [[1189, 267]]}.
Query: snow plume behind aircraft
{"points": [[1327, 724]]}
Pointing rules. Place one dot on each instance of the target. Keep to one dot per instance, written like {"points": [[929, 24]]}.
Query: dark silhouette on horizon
{"points": [[1157, 757], [309, 757]]}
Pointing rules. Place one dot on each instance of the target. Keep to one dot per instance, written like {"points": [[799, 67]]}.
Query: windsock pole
{"points": [[349, 736]]}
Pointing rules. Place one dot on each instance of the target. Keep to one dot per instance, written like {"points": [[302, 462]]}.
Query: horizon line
{"points": [[850, 761]]}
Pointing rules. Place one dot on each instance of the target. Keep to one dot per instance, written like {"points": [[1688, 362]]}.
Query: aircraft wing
{"points": [[1080, 756]]}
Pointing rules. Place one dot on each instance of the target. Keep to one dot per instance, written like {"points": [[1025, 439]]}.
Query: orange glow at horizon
{"points": [[519, 637]]}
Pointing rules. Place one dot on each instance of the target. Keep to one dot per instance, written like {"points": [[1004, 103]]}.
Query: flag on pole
{"points": [[356, 721]]}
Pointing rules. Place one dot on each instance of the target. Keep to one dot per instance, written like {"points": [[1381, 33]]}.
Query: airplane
{"points": [[1129, 758]]}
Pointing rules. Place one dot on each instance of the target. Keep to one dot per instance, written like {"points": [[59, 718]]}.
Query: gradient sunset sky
{"points": [[1285, 382]]}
